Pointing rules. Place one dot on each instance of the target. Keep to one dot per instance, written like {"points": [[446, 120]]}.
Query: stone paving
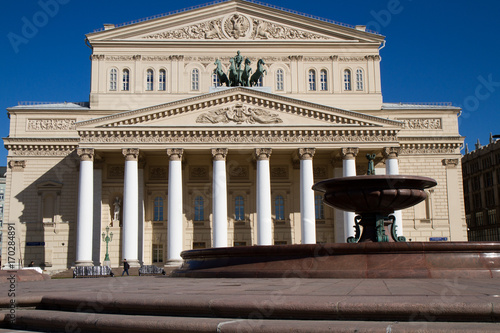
{"points": [[265, 305]]}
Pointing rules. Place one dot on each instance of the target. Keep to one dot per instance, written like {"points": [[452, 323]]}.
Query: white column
{"points": [[175, 220], [96, 238], [349, 170], [264, 221], [130, 237], [307, 208], [219, 198], [85, 208], [141, 213], [392, 168]]}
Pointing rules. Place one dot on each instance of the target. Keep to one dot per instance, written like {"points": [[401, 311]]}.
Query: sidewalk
{"points": [[306, 305]]}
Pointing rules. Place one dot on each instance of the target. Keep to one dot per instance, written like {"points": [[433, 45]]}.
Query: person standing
{"points": [[126, 266]]}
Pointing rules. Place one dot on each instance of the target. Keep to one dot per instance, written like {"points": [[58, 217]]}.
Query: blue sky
{"points": [[446, 51]]}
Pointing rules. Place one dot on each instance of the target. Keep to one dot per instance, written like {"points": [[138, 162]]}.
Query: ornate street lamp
{"points": [[107, 237]]}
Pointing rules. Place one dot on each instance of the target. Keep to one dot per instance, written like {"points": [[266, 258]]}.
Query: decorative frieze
{"points": [[120, 57], [158, 173], [238, 172], [197, 172], [317, 59], [39, 150], [320, 172], [422, 123], [236, 26], [450, 162], [50, 124], [239, 114], [352, 59], [279, 172], [244, 136], [116, 171]]}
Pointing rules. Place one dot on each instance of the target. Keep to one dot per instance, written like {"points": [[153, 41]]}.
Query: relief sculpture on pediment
{"points": [[239, 114], [269, 30]]}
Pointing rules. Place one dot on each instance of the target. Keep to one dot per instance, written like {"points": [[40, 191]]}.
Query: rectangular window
{"points": [[319, 210], [492, 216], [488, 179], [479, 219], [157, 253], [280, 242], [199, 245], [240, 243], [239, 208], [490, 198], [1, 197]]}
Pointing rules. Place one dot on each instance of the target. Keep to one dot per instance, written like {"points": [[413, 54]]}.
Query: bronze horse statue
{"points": [[220, 73], [258, 73], [245, 75]]}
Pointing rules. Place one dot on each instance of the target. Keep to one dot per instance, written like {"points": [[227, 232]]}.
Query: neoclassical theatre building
{"points": [[166, 159]]}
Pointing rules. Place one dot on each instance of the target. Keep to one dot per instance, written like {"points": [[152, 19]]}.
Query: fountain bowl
{"points": [[382, 194]]}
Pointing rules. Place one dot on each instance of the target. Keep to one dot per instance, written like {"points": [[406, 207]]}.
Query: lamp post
{"points": [[107, 237]]}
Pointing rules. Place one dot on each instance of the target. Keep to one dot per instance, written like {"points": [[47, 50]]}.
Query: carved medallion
{"points": [[279, 172], [157, 173], [116, 171], [238, 172], [237, 26], [198, 173]]}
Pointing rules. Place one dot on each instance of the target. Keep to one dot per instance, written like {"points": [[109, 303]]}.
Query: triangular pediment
{"points": [[238, 108], [234, 20]]}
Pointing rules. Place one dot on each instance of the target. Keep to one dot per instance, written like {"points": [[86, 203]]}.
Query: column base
{"points": [[84, 263], [133, 262], [173, 263]]}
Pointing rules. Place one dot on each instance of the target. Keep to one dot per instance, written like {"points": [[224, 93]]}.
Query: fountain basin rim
{"points": [[379, 182]]}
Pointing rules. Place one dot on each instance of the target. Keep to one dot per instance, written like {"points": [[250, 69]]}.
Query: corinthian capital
{"points": [[349, 153], [391, 152], [219, 154], [262, 153], [175, 154], [86, 154], [306, 153], [131, 154]]}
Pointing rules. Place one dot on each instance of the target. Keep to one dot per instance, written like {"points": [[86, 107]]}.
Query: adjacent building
{"points": [[170, 160], [481, 174]]}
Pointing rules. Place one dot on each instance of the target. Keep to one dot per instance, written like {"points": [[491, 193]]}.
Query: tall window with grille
{"points": [[162, 80], [199, 209], [280, 86], [279, 208], [239, 208], [149, 80], [492, 216], [126, 80], [318, 207], [157, 253], [113, 77], [359, 79], [347, 80], [312, 80], [323, 80], [195, 79], [158, 209]]}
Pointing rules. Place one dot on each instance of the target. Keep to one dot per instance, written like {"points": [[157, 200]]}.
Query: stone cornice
{"points": [[41, 146], [239, 94], [186, 136]]}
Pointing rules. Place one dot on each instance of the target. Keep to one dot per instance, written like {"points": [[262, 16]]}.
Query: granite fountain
{"points": [[376, 250]]}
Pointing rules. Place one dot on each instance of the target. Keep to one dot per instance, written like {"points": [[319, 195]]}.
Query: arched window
{"points": [[312, 79], [323, 80], [239, 208], [199, 207], [158, 209], [215, 80], [359, 79], [347, 79], [162, 80], [318, 205], [149, 79], [280, 80], [113, 76], [195, 79], [126, 80], [279, 208]]}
